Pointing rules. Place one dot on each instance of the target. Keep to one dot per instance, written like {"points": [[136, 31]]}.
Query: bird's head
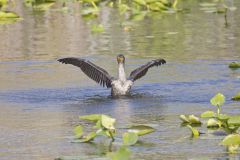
{"points": [[120, 59]]}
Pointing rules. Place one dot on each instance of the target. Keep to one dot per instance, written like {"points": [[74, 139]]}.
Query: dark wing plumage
{"points": [[141, 71], [94, 72]]}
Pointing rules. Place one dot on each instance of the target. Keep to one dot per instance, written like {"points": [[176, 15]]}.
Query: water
{"points": [[41, 99]]}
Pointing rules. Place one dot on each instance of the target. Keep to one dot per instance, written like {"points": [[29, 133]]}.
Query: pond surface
{"points": [[41, 99]]}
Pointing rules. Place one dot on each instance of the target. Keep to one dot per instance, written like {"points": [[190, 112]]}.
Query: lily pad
{"points": [[234, 65], [6, 14], [130, 138], [87, 138], [190, 119], [141, 130], [213, 123], [236, 97], [184, 118], [222, 117], [194, 120], [43, 6], [108, 122], [234, 120], [91, 117], [78, 130], [208, 114], [123, 153], [218, 100], [230, 140], [195, 132]]}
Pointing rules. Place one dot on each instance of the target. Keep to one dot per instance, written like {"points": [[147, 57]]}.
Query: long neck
{"points": [[121, 72]]}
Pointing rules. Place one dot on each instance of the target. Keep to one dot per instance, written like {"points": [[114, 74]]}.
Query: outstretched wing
{"points": [[94, 72], [141, 71]]}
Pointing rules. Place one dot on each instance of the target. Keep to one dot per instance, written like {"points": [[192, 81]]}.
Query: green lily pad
{"points": [[234, 65], [236, 97], [234, 121], [91, 117], [123, 153], [184, 118], [194, 120], [231, 140], [190, 119], [78, 130], [87, 138], [208, 114], [195, 132], [7, 14], [43, 6], [141, 130], [130, 138], [222, 117], [218, 100], [211, 123], [108, 122]]}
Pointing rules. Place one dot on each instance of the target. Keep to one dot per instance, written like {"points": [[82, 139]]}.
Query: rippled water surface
{"points": [[41, 99]]}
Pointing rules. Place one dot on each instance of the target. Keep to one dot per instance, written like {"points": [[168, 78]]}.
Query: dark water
{"points": [[41, 99]]}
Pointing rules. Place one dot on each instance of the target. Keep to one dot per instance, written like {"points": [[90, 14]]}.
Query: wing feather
{"points": [[93, 71], [142, 70]]}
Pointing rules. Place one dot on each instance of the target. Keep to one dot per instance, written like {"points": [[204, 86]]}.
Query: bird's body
{"points": [[120, 86]]}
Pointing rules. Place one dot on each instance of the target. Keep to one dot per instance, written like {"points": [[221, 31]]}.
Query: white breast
{"points": [[121, 88]]}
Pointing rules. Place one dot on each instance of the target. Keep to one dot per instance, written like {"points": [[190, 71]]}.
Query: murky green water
{"points": [[41, 99]]}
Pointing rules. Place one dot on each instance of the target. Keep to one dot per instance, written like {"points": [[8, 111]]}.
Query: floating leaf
{"points": [[123, 153], [236, 97], [234, 65], [43, 6], [141, 130], [195, 132], [78, 130], [130, 138], [234, 120], [91, 117], [87, 138], [213, 123], [4, 15], [208, 114], [223, 117], [230, 140], [218, 100], [194, 120], [108, 122], [184, 118]]}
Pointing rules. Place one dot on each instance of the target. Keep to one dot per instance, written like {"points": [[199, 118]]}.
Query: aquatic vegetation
{"points": [[41, 5], [191, 119], [228, 123], [7, 17], [236, 97], [234, 65], [105, 126]]}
